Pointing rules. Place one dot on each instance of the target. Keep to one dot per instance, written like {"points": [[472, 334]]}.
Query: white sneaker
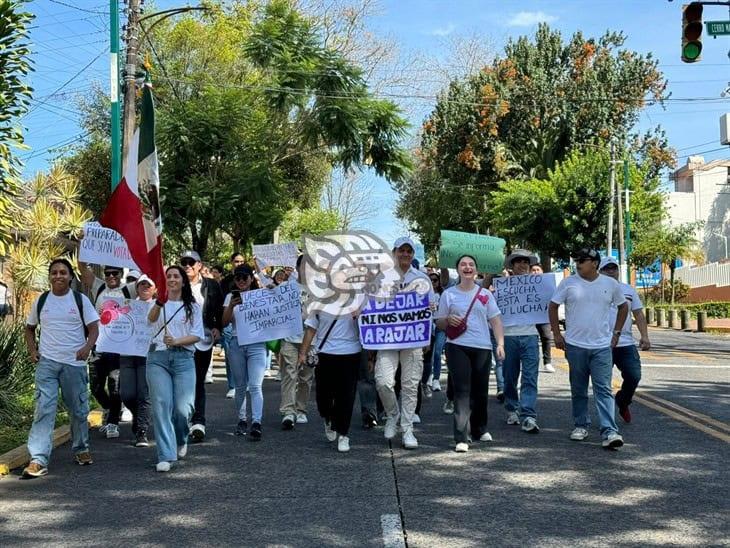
{"points": [[331, 434], [126, 415], [343, 444], [102, 428], [209, 380], [485, 437], [461, 447], [391, 427], [197, 432], [613, 441], [231, 393], [416, 419], [549, 368], [112, 431], [302, 418], [163, 466], [513, 418], [530, 426], [409, 440], [436, 385], [448, 407], [182, 451], [579, 434]]}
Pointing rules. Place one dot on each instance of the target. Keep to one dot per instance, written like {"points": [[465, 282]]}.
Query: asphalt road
{"points": [[667, 486]]}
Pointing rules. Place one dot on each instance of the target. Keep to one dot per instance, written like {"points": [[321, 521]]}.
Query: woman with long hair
{"points": [[248, 361], [177, 326], [466, 311]]}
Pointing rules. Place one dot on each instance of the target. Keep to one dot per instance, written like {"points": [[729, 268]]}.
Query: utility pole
{"points": [[116, 136], [130, 69], [627, 217], [621, 244], [612, 182]]}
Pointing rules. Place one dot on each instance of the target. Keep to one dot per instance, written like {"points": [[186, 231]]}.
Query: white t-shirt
{"points": [[455, 301], [178, 325], [588, 309], [107, 293], [632, 297], [197, 289], [62, 333], [520, 330], [343, 339]]}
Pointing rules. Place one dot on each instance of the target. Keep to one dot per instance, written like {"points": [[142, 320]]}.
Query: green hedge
{"points": [[713, 309]]}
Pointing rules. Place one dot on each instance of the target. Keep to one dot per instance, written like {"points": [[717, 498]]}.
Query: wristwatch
{"points": [[617, 332]]}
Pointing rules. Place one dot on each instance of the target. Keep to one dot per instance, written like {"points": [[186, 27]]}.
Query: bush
{"points": [[654, 295], [16, 371], [713, 309]]}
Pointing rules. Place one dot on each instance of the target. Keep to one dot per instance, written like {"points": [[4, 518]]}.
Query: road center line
{"points": [[682, 366], [714, 423], [392, 531]]}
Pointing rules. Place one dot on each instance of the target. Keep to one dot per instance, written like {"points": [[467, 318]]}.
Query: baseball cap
{"points": [[144, 278], [133, 274], [190, 254], [587, 253], [242, 270], [403, 240], [607, 261]]}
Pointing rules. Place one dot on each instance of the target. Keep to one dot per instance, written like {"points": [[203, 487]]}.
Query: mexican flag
{"points": [[134, 207]]}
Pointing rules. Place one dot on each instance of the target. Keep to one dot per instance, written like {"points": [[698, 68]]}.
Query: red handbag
{"points": [[455, 331]]}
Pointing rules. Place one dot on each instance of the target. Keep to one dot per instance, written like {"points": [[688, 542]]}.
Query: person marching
{"points": [[178, 325], [466, 312], [625, 355], [248, 361], [69, 328], [546, 334]]}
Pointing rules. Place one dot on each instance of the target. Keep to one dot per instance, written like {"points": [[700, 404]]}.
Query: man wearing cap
{"points": [[207, 293], [589, 338], [521, 355], [410, 359], [625, 355]]}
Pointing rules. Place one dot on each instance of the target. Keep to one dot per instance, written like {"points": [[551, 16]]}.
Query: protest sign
{"points": [[487, 250], [524, 300], [420, 254], [401, 322], [104, 246], [269, 314], [123, 327], [276, 254]]}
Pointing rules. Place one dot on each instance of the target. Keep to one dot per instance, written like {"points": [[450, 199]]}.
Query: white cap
{"points": [[403, 240], [607, 261], [133, 274], [144, 278]]}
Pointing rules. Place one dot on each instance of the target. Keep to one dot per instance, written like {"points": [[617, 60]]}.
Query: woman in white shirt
{"points": [[247, 362], [337, 341], [469, 354], [171, 366]]}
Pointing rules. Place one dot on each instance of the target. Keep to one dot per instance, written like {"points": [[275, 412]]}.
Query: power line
{"points": [[57, 145], [60, 3]]}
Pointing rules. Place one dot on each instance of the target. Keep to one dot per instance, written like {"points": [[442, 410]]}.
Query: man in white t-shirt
{"points": [[64, 316], [625, 354], [588, 297], [410, 359]]}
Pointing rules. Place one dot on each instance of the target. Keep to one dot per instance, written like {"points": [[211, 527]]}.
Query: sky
{"points": [[71, 54]]}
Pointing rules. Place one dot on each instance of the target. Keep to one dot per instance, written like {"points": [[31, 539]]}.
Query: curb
{"points": [[19, 456]]}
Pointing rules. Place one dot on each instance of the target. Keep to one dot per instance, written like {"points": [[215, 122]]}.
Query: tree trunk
{"points": [[671, 279]]}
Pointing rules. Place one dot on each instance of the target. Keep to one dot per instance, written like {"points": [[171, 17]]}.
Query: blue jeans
{"points": [[628, 362], [226, 336], [439, 341], [171, 380], [521, 350], [248, 363], [73, 381], [596, 364], [498, 365]]}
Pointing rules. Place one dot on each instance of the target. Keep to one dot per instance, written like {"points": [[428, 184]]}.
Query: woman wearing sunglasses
{"points": [[248, 361]]}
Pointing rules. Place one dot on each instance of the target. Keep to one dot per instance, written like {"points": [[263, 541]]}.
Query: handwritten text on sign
{"points": [[403, 322], [104, 246], [276, 254], [524, 300], [269, 314], [123, 327]]}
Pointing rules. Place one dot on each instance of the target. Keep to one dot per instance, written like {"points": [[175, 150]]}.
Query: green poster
{"points": [[487, 250]]}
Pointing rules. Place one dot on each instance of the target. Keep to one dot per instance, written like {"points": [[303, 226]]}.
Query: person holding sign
{"points": [[410, 358], [588, 299], [521, 357], [466, 311], [248, 361], [178, 325]]}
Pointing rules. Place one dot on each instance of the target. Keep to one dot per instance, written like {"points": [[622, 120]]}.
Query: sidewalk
{"points": [[713, 325]]}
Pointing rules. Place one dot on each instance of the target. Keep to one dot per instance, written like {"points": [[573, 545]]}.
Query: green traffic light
{"points": [[691, 50]]}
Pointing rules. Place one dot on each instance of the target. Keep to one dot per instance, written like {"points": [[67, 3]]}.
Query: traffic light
{"points": [[691, 32]]}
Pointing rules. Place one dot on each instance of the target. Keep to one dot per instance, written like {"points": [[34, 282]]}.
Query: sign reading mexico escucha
{"points": [[104, 246], [276, 254], [401, 322], [123, 327], [524, 300], [269, 314], [487, 250]]}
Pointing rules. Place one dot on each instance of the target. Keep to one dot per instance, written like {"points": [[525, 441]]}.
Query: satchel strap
{"points": [[324, 339], [479, 290]]}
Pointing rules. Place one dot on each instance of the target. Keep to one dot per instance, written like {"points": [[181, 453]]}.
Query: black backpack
{"points": [[102, 287], [79, 305]]}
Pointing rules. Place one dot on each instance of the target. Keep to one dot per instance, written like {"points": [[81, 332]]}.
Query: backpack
{"points": [[102, 287], [79, 305]]}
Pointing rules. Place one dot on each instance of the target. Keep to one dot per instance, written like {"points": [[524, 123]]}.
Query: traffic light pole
{"points": [[116, 136]]}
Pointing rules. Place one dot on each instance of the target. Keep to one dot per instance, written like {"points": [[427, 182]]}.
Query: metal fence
{"points": [[709, 274]]}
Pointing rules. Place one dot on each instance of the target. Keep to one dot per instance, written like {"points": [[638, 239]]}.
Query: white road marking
{"points": [[682, 366], [392, 531]]}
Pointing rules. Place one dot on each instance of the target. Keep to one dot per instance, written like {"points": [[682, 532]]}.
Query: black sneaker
{"points": [[500, 396], [369, 421], [141, 439], [241, 428], [255, 432], [288, 423]]}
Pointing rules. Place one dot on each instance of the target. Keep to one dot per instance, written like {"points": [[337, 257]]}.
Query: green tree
{"points": [[15, 98], [312, 221]]}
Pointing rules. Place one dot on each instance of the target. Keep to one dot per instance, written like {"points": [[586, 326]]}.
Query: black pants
{"points": [[369, 400], [469, 370], [104, 380], [546, 340], [134, 392], [202, 363], [336, 377]]}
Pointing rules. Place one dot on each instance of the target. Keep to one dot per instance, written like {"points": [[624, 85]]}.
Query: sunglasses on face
{"points": [[110, 273], [241, 277], [188, 262]]}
